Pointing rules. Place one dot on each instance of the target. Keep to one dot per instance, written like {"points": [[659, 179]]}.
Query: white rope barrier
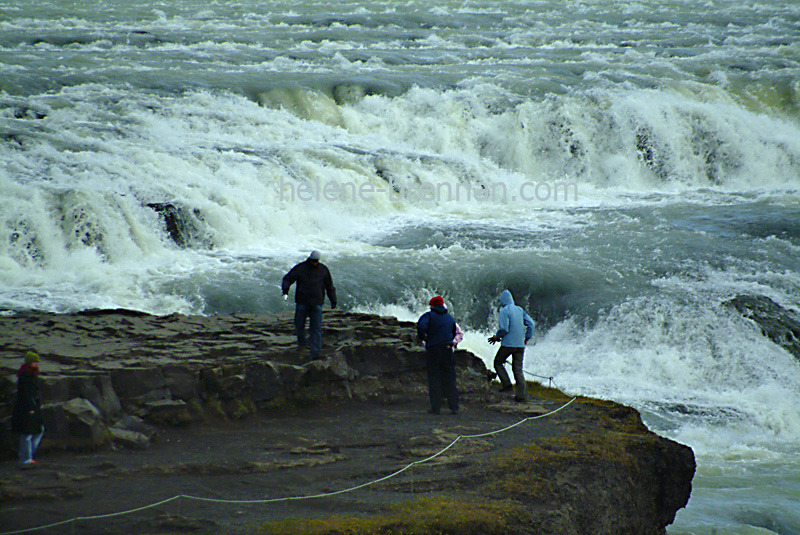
{"points": [[292, 498]]}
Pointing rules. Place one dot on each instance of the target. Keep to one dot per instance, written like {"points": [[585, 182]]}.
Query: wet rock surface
{"points": [[227, 412], [780, 325]]}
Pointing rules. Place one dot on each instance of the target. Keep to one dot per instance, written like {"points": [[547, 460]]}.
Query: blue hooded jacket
{"points": [[515, 327], [437, 327]]}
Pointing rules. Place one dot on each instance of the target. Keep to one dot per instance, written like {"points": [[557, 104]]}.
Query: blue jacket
{"points": [[437, 327], [515, 327]]}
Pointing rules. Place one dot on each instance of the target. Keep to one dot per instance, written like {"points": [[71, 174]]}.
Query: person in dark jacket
{"points": [[26, 418], [437, 329], [313, 281]]}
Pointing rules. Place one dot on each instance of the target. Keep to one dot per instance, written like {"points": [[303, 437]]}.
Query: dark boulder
{"points": [[780, 325]]}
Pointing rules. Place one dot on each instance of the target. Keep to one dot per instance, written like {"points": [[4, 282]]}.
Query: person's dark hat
{"points": [[437, 301]]}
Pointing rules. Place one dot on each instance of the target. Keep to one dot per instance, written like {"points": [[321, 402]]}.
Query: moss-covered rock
{"points": [[426, 516]]}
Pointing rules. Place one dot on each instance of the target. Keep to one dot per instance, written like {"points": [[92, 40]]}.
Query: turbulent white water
{"points": [[624, 168]]}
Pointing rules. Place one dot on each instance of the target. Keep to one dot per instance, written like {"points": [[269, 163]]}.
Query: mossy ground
{"points": [[523, 473], [426, 516]]}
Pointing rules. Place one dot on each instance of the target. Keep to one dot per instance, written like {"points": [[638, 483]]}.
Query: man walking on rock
{"points": [[313, 281], [437, 329], [514, 330]]}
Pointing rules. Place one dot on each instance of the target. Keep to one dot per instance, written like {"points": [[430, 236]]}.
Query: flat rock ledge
{"points": [[229, 405]]}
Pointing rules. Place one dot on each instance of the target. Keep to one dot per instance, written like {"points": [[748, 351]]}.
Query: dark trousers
{"points": [[517, 355], [441, 377], [314, 313]]}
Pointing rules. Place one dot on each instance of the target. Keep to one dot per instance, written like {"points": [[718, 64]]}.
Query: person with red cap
{"points": [[437, 329]]}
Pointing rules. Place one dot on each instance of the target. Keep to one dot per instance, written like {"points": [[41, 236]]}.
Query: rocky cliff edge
{"points": [[223, 420]]}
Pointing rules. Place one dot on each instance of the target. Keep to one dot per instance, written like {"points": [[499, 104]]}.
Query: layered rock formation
{"points": [[174, 369], [123, 378]]}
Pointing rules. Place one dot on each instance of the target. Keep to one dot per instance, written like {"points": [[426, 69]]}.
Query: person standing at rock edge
{"points": [[313, 281], [514, 330], [26, 419], [437, 329]]}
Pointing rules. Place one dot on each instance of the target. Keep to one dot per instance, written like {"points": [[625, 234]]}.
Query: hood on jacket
{"points": [[441, 309], [506, 299]]}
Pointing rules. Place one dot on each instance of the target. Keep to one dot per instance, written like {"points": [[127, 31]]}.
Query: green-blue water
{"points": [[623, 167]]}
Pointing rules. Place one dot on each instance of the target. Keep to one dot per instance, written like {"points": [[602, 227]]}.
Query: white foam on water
{"points": [[706, 377], [647, 110]]}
